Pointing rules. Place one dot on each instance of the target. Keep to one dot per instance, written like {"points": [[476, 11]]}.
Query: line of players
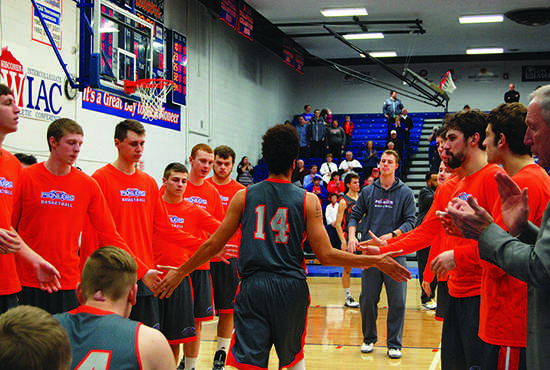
{"points": [[485, 319], [50, 203]]}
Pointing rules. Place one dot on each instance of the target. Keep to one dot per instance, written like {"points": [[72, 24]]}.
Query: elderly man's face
{"points": [[537, 135], [349, 156]]}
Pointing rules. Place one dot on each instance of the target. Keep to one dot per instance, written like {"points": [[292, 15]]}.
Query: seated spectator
{"points": [[375, 173], [368, 181], [398, 144], [300, 172], [318, 189], [245, 170], [328, 168], [330, 216], [336, 138], [370, 158], [335, 185], [350, 165], [31, 339], [308, 179]]}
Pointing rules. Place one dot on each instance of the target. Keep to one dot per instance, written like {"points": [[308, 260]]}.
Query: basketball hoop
{"points": [[153, 94]]}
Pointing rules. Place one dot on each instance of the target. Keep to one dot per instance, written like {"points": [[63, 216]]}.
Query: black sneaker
{"points": [[219, 360], [181, 365]]}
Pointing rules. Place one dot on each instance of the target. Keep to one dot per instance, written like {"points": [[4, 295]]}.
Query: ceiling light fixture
{"points": [[383, 54], [343, 12], [481, 19], [364, 36], [485, 51]]}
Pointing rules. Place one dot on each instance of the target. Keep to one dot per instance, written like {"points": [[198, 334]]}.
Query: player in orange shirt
{"points": [[204, 195], [177, 321], [50, 207], [10, 243], [225, 279], [138, 212]]}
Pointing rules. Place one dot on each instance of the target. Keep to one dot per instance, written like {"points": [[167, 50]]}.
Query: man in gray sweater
{"points": [[389, 209]]}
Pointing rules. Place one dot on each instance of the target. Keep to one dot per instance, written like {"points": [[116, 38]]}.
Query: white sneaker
{"points": [[394, 353], [350, 302], [367, 348], [430, 305]]}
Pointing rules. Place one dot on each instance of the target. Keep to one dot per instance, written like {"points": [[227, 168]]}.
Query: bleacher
{"points": [[367, 126]]}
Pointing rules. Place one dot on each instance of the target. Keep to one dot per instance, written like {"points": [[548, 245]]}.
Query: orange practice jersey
{"points": [[49, 214], [10, 169], [191, 219], [138, 211], [227, 192], [503, 311]]}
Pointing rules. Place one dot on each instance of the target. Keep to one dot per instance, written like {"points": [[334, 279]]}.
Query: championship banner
{"points": [[299, 63], [228, 12], [288, 53], [52, 12], [246, 20]]}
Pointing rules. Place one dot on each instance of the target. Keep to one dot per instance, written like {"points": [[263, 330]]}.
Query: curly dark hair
{"points": [[280, 148]]}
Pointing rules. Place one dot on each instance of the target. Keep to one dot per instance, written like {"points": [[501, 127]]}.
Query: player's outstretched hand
{"points": [[151, 277], [163, 288], [374, 241], [229, 251], [353, 243], [447, 223], [392, 268], [9, 242], [443, 263], [469, 217], [48, 276], [515, 205], [427, 288]]}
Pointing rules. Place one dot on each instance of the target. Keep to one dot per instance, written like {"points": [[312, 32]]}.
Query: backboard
{"points": [[122, 47]]}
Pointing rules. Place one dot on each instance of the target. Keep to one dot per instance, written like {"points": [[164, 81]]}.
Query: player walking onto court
{"points": [[344, 211], [272, 302], [177, 319], [225, 279], [10, 243], [101, 336], [50, 208]]}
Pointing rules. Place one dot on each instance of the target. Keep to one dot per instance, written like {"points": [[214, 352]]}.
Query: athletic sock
{"points": [[223, 344], [191, 363], [300, 365], [347, 292]]}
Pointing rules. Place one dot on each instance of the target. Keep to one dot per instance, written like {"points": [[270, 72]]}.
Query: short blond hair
{"points": [[109, 269], [31, 339]]}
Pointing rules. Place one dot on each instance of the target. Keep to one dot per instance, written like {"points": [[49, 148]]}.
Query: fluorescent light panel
{"points": [[485, 51], [383, 54], [343, 12], [364, 36], [481, 19]]}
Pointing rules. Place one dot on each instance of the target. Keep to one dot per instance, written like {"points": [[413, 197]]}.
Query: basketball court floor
{"points": [[334, 336]]}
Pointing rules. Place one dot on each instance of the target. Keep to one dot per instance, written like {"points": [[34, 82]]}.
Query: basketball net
{"points": [[152, 93]]}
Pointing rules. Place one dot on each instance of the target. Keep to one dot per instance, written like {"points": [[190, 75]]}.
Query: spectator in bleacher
{"points": [[287, 122], [299, 173], [350, 165], [348, 129], [336, 138], [326, 115], [318, 189], [316, 135], [437, 140], [245, 172], [392, 108], [302, 135], [511, 96], [466, 108], [407, 124], [398, 144], [328, 168], [335, 185], [307, 113], [308, 179], [370, 158], [331, 212], [369, 181]]}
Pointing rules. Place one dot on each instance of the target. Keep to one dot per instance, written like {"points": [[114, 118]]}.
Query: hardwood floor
{"points": [[334, 332]]}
